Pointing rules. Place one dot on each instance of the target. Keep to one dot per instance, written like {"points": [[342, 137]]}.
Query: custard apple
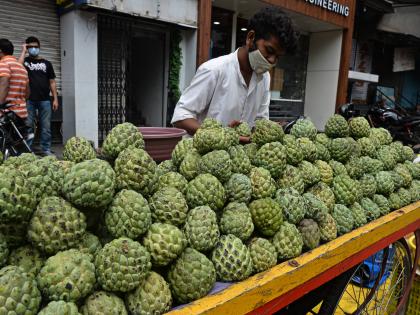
{"points": [[122, 264], [191, 277], [310, 173], [238, 188], [251, 150], [17, 162], [89, 244], [263, 254], [371, 209], [328, 228], [201, 229], [165, 167], [384, 183], [343, 217], [368, 185], [382, 203], [326, 172], [337, 127], [322, 152], [210, 123], [172, 179], [121, 137], [27, 258], [181, 149], [78, 149], [308, 148], [292, 204], [231, 137], [345, 190], [129, 215], [367, 147], [304, 127], [322, 138], [340, 149], [315, 208], [231, 259], [359, 215], [381, 135], [338, 168], [385, 155], [204, 190], [294, 154], [56, 225], [240, 160], [370, 166], [359, 127], [19, 293], [324, 193], [243, 129], [414, 169], [404, 172], [217, 163], [60, 307], [90, 184], [4, 251], [67, 276], [311, 235], [395, 201], [405, 196], [267, 215], [263, 185], [165, 242], [236, 220], [103, 303], [407, 154], [272, 156], [190, 165], [168, 205], [153, 296], [136, 170], [292, 178], [288, 241], [14, 232], [206, 140], [353, 168], [267, 131]]}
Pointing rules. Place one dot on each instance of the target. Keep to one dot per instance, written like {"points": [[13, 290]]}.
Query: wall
{"points": [[179, 11], [322, 76], [80, 75], [189, 48]]}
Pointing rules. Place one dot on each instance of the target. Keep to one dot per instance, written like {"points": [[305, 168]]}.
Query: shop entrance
{"points": [[132, 73]]}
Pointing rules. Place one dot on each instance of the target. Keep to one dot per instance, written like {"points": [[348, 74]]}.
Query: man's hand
{"points": [[243, 139], [24, 48], [55, 105], [234, 123]]}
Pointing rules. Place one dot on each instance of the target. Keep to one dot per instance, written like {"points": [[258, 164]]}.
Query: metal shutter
{"points": [[22, 18]]}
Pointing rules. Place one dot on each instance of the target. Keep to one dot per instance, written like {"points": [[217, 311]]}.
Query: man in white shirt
{"points": [[236, 87]]}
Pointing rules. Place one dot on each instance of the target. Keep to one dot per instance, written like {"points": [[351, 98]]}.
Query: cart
{"points": [[271, 291]]}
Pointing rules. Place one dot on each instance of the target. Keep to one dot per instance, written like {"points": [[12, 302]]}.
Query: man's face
{"points": [[32, 45], [270, 48]]}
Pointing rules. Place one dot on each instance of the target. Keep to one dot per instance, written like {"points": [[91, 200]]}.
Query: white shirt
{"points": [[218, 90]]}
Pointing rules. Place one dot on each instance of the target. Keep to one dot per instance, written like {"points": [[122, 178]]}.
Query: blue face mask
{"points": [[33, 51]]}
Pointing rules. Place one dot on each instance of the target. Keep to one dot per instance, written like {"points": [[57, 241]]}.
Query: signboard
{"points": [[404, 59], [331, 5]]}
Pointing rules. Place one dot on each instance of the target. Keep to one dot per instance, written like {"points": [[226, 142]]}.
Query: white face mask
{"points": [[258, 62]]}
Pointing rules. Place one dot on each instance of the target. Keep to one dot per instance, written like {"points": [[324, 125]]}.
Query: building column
{"points": [[322, 76], [79, 66], [204, 31]]}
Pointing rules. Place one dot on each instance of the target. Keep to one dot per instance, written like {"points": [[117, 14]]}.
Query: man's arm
{"points": [[4, 88], [195, 100], [22, 54], [28, 90], [53, 88]]}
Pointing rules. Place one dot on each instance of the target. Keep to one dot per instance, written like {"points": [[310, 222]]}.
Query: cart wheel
{"points": [[378, 290]]}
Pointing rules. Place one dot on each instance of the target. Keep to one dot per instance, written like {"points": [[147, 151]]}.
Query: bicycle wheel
{"points": [[374, 291]]}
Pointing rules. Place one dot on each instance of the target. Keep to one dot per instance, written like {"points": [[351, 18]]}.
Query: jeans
{"points": [[44, 110]]}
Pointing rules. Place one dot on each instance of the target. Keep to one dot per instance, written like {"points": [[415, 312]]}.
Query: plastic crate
{"points": [[413, 307]]}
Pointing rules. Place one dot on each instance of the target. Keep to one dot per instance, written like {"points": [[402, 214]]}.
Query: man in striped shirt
{"points": [[14, 82]]}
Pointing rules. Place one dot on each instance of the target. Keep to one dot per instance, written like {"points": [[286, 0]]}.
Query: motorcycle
{"points": [[402, 126], [14, 133]]}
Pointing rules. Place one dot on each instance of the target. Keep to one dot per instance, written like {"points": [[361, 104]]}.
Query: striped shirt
{"points": [[18, 80]]}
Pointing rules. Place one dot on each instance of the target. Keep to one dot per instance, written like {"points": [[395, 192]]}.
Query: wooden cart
{"points": [[270, 291]]}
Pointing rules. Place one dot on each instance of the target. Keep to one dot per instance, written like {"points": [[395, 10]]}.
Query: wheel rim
{"points": [[384, 296]]}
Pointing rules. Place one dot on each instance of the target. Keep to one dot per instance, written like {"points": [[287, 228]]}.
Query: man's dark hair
{"points": [[33, 39], [6, 46], [272, 21]]}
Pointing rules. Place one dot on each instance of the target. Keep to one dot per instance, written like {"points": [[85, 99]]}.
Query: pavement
{"points": [[57, 149]]}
